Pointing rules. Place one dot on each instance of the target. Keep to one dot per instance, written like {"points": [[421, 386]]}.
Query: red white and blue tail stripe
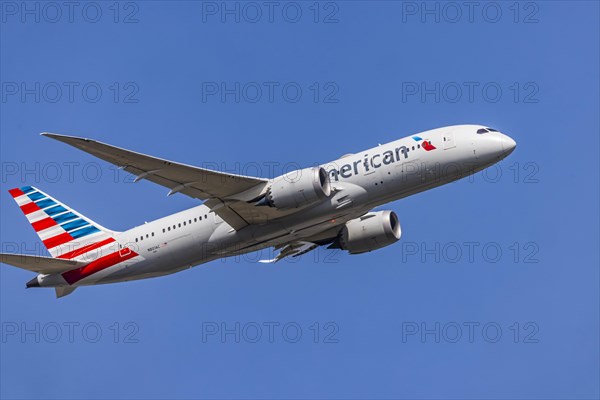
{"points": [[64, 232]]}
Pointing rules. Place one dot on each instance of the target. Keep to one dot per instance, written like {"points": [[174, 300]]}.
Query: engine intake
{"points": [[370, 232], [297, 189]]}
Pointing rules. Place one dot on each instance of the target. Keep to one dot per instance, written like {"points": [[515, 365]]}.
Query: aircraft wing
{"points": [[226, 193]]}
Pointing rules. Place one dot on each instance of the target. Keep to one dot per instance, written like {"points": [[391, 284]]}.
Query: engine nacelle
{"points": [[370, 232], [298, 189]]}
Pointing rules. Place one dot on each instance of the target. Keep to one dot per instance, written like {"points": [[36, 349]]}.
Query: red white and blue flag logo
{"points": [[426, 144]]}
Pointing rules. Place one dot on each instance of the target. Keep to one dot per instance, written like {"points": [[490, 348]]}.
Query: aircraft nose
{"points": [[508, 144], [491, 146]]}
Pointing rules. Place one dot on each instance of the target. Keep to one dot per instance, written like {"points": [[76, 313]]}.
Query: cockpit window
{"points": [[486, 130]]}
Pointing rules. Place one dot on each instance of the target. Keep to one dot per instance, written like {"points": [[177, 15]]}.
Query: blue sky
{"points": [[368, 73]]}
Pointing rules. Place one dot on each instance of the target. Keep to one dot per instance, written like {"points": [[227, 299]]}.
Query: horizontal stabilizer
{"points": [[41, 265]]}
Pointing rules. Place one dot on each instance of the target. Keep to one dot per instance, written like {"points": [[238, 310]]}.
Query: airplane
{"points": [[327, 205]]}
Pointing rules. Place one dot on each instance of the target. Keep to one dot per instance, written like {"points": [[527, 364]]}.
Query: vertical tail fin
{"points": [[64, 232]]}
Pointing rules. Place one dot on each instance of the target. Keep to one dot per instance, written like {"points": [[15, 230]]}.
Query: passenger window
{"points": [[152, 234], [195, 219], [169, 229], [136, 239], [163, 230], [146, 236], [183, 223], [179, 225], [141, 238], [174, 226], [205, 216]]}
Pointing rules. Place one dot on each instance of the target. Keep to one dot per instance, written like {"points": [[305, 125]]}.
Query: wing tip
{"points": [[51, 135], [64, 138]]}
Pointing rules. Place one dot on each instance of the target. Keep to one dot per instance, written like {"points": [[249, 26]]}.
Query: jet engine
{"points": [[297, 189], [370, 232]]}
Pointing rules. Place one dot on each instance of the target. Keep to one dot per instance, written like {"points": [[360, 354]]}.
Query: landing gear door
{"points": [[449, 140]]}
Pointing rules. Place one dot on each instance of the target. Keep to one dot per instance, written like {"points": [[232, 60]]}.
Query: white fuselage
{"points": [[360, 182]]}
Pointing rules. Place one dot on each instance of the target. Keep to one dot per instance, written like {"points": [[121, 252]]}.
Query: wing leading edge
{"points": [[221, 190]]}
